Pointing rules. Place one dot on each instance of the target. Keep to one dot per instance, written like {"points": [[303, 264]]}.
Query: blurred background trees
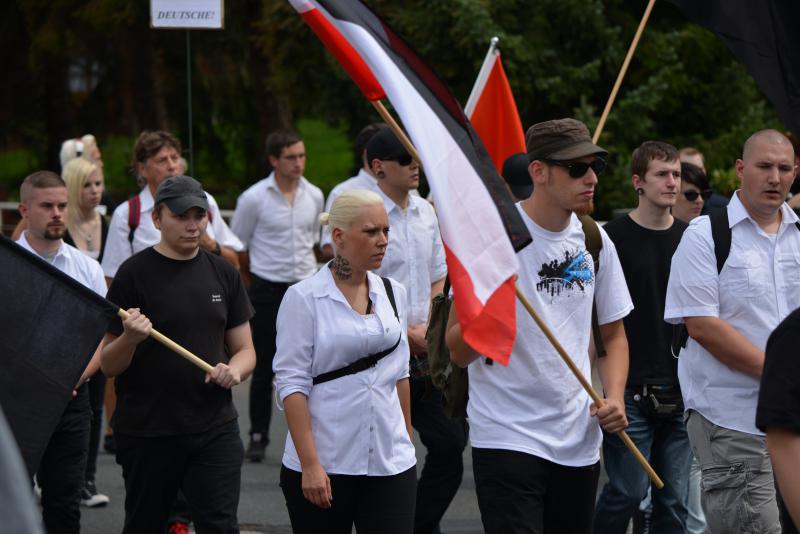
{"points": [[94, 66]]}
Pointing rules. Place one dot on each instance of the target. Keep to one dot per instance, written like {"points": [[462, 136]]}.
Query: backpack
{"points": [[452, 380], [135, 214], [721, 236]]}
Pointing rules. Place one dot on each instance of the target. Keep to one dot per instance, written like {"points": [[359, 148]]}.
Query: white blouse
{"points": [[356, 420]]}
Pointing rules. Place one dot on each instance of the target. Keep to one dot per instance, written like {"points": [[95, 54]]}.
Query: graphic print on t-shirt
{"points": [[573, 272]]}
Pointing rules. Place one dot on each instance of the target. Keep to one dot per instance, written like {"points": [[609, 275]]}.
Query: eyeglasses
{"points": [[691, 196], [577, 169], [403, 160]]}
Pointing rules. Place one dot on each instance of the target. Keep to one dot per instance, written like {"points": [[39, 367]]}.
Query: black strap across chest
{"points": [[362, 364], [721, 235]]}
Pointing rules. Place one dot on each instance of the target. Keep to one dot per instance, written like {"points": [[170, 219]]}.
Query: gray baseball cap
{"points": [[181, 193], [560, 139]]}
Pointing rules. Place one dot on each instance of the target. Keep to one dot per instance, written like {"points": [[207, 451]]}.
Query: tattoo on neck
{"points": [[341, 268]]}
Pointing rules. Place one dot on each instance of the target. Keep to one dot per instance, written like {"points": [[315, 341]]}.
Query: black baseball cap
{"points": [[180, 194], [385, 145], [515, 173]]}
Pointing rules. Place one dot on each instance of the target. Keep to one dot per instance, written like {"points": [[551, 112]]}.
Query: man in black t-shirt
{"points": [[175, 426], [778, 413], [645, 240]]}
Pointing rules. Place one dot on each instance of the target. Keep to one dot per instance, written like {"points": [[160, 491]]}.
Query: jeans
{"points": [[737, 480], [445, 440], [266, 298], [97, 388], [665, 442], [520, 493], [696, 520]]}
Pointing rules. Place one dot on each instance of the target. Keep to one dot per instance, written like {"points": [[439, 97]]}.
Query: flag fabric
{"points": [[52, 326], [764, 37], [493, 112], [481, 228]]}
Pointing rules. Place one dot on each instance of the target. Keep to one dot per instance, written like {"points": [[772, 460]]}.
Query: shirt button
{"points": [[370, 450], [370, 429]]}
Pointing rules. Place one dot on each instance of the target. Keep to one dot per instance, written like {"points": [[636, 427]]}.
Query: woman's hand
{"points": [[317, 486]]}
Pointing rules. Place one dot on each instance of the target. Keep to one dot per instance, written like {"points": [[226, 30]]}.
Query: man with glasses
{"points": [[277, 219], [731, 300], [415, 257], [534, 430], [646, 239]]}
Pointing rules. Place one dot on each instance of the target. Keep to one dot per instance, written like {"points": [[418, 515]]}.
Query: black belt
{"points": [[654, 388], [270, 283]]}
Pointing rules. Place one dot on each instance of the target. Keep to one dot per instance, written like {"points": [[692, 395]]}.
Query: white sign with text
{"points": [[203, 14]]}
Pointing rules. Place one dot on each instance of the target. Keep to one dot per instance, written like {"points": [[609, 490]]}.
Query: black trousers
{"points": [[266, 298], [445, 440], [97, 389], [520, 493], [62, 469], [206, 466], [376, 505]]}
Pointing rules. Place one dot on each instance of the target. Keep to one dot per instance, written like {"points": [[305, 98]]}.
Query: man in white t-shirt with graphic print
{"points": [[535, 432]]}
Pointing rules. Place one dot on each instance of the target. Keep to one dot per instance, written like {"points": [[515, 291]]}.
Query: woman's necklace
{"points": [[92, 230]]}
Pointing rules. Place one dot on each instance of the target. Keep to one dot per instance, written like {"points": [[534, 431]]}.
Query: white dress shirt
{"points": [[356, 420], [279, 236], [72, 262], [415, 254], [758, 286], [362, 180], [119, 249]]}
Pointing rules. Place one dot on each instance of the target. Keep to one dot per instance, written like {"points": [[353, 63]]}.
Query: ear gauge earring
{"points": [[381, 174], [639, 191]]}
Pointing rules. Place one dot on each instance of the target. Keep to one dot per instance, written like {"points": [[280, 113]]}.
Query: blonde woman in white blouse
{"points": [[349, 458]]}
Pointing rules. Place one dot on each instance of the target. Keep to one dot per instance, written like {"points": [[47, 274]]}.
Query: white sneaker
{"points": [[90, 498]]}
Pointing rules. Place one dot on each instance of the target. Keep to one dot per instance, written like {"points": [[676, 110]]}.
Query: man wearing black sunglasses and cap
{"points": [[534, 430], [415, 257], [646, 239]]}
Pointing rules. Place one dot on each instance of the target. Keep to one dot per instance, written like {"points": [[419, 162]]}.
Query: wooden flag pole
{"points": [[588, 387], [167, 342], [401, 135], [622, 71]]}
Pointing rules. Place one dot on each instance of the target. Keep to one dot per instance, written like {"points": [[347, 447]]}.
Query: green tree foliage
{"points": [[267, 70]]}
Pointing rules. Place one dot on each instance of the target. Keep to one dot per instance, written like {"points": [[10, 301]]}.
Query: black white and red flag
{"points": [[764, 36], [480, 225]]}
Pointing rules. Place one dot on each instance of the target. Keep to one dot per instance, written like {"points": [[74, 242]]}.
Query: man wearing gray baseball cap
{"points": [[175, 427], [534, 430]]}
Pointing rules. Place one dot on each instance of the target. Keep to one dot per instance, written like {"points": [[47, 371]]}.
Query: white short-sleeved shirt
{"points": [[362, 180], [415, 254], [118, 248], [536, 405], [356, 420], [279, 236], [72, 262], [756, 289]]}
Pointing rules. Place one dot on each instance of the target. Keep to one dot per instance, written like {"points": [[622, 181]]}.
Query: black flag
{"points": [[51, 325], [764, 36]]}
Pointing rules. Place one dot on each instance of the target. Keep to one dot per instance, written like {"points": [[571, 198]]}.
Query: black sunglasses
{"points": [[403, 160], [577, 169], [691, 196]]}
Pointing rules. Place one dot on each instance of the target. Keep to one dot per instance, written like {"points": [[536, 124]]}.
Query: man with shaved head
{"points": [[731, 298]]}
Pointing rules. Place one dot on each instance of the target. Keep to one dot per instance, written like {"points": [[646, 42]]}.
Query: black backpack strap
{"points": [[134, 214], [362, 364], [594, 244], [721, 235]]}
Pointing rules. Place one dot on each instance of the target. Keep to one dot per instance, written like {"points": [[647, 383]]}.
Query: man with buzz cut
{"points": [[535, 432], [734, 278], [277, 219], [43, 206], [646, 239]]}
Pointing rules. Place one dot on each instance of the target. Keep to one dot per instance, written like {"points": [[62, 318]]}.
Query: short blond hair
{"points": [[75, 175], [347, 207]]}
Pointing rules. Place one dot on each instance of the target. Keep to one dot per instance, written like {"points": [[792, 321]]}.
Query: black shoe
{"points": [[109, 445], [255, 450]]}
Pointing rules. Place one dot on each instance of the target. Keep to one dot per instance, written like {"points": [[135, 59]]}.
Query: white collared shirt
{"points": [[118, 248], [362, 180], [356, 420], [758, 286], [72, 262], [279, 236], [415, 254]]}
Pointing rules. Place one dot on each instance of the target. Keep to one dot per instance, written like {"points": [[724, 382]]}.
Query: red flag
{"points": [[480, 225], [341, 50], [492, 111]]}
